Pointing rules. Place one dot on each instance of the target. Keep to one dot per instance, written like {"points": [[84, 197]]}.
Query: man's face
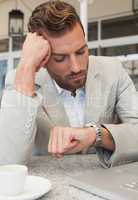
{"points": [[69, 59]]}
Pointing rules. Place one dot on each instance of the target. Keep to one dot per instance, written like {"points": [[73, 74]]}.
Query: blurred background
{"points": [[111, 30]]}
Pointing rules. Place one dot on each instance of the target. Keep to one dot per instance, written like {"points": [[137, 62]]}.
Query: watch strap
{"points": [[97, 127]]}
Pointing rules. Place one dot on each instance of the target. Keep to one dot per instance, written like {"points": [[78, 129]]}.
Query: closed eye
{"points": [[59, 58], [80, 52]]}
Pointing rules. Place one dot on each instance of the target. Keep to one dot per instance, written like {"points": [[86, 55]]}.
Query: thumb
{"points": [[45, 60], [72, 144]]}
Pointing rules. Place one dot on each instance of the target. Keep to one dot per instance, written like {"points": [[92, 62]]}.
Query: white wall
{"points": [[107, 8], [96, 10]]}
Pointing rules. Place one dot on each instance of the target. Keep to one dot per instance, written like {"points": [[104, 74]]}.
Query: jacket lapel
{"points": [[93, 92], [52, 104]]}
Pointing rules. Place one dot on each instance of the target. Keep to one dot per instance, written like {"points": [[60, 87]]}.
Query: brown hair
{"points": [[55, 17]]}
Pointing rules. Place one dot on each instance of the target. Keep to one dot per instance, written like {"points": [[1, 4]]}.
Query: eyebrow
{"points": [[63, 54]]}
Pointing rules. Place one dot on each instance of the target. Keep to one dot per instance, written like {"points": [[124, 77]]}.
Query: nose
{"points": [[74, 64]]}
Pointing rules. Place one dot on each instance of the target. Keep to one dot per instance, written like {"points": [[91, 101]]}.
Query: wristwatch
{"points": [[97, 127]]}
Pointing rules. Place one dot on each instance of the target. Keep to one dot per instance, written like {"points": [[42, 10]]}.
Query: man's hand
{"points": [[65, 140], [35, 54]]}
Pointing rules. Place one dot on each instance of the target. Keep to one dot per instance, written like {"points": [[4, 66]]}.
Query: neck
{"points": [[66, 87]]}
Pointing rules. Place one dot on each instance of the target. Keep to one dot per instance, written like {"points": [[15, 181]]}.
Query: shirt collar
{"points": [[60, 90]]}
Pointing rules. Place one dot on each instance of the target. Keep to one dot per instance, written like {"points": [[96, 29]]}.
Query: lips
{"points": [[79, 76], [76, 76]]}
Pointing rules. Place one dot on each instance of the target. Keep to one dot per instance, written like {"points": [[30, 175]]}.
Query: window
{"points": [[93, 52], [92, 31], [17, 42], [4, 45], [15, 62], [120, 50], [135, 5], [119, 27]]}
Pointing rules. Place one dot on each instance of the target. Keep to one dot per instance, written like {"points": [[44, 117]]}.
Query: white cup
{"points": [[12, 179]]}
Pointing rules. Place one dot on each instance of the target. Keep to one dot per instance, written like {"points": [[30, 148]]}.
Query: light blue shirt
{"points": [[74, 106]]}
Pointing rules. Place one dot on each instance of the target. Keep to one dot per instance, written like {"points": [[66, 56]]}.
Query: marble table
{"points": [[58, 171]]}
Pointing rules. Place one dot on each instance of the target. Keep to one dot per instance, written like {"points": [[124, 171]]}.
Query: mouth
{"points": [[79, 76]]}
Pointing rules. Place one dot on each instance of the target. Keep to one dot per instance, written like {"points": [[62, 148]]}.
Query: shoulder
{"points": [[104, 63], [108, 67]]}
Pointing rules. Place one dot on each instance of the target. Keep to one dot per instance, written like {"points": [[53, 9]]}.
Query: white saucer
{"points": [[35, 187]]}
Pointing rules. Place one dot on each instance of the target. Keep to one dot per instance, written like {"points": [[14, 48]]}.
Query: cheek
{"points": [[83, 60]]}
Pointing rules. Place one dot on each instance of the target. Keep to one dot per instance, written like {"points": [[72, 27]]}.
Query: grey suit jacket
{"points": [[25, 122]]}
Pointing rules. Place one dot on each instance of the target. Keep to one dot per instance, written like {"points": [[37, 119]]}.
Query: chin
{"points": [[79, 84]]}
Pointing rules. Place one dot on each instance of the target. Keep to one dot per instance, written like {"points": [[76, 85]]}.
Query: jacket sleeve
{"points": [[125, 134], [17, 124]]}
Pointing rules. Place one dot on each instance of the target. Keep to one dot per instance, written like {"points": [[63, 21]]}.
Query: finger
{"points": [[76, 149], [69, 141], [50, 143], [39, 33], [54, 140], [59, 155], [71, 146], [60, 136], [45, 60], [67, 138]]}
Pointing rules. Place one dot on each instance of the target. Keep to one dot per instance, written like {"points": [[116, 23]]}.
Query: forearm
{"points": [[24, 79]]}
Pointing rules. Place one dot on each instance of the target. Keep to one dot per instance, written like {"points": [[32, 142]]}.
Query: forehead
{"points": [[69, 42]]}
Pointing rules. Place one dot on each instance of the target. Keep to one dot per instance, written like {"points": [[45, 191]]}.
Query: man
{"points": [[63, 101]]}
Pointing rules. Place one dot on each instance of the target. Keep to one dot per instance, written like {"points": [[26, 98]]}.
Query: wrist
{"points": [[26, 68], [25, 81], [91, 135], [26, 92]]}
